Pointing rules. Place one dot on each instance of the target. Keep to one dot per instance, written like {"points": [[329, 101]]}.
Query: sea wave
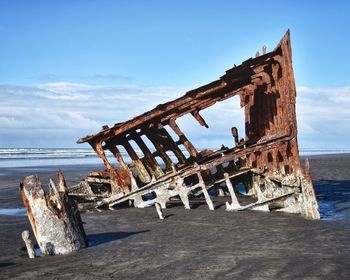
{"points": [[317, 151], [22, 157], [42, 153]]}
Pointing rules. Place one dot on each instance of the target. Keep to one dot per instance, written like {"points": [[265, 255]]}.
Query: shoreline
{"points": [[98, 164], [31, 160]]}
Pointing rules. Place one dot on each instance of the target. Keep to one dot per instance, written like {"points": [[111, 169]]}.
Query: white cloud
{"points": [[323, 117], [77, 109], [64, 87], [66, 111], [65, 91]]}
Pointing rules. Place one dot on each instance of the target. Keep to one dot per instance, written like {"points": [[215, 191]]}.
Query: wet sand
{"points": [[192, 244]]}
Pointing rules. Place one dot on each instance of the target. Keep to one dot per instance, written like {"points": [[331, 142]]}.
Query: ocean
{"points": [[26, 157]]}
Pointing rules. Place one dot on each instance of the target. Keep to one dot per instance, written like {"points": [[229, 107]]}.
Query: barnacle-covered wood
{"points": [[266, 161], [54, 217]]}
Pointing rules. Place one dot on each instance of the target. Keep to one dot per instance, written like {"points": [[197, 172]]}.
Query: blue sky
{"points": [[62, 60]]}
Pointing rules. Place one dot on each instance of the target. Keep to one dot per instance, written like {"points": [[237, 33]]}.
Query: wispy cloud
{"points": [[74, 109], [323, 116], [65, 91], [46, 77], [95, 77], [61, 112], [108, 77]]}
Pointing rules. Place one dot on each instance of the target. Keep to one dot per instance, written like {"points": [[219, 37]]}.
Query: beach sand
{"points": [[133, 243]]}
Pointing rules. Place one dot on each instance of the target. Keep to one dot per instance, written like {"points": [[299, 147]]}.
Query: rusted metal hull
{"points": [[266, 161]]}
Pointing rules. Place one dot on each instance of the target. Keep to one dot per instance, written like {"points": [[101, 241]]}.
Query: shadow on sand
{"points": [[100, 238], [5, 264]]}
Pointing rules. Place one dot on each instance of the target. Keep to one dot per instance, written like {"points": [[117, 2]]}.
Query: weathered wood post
{"points": [[159, 210], [29, 244], [54, 217]]}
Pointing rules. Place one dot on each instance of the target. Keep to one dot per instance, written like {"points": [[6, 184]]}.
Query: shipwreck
{"points": [[266, 161]]}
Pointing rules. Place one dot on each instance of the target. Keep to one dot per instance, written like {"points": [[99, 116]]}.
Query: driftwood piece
{"points": [[29, 244], [54, 217], [159, 210]]}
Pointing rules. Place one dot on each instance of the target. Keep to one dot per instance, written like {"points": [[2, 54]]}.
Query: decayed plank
{"points": [[54, 217]]}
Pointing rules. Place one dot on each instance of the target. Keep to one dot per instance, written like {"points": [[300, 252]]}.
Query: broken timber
{"points": [[54, 217], [266, 161]]}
